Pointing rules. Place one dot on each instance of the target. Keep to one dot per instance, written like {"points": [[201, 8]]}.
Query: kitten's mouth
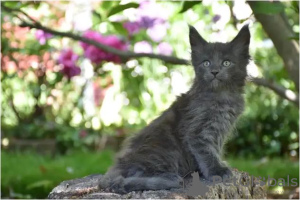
{"points": [[215, 82], [215, 79]]}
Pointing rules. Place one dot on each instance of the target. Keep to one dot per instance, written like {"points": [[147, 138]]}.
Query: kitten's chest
{"points": [[221, 108]]}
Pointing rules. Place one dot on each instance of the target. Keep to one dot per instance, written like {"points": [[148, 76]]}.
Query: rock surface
{"points": [[86, 188]]}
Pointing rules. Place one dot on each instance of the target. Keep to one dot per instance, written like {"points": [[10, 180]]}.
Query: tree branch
{"points": [[122, 54], [278, 89]]}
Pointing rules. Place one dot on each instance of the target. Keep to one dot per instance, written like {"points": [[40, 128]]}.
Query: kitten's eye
{"points": [[226, 63], [206, 63]]}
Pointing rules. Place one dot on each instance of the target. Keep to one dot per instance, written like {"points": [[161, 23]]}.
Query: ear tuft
{"points": [[243, 37], [195, 37]]}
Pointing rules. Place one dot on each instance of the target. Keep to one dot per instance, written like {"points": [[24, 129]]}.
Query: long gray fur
{"points": [[189, 136]]}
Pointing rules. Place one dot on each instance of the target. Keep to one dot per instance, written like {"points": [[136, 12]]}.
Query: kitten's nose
{"points": [[214, 72]]}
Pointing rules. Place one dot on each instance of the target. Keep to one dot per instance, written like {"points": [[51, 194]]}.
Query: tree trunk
{"points": [[280, 32]]}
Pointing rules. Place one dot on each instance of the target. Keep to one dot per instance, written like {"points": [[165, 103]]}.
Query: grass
{"points": [[274, 168], [31, 175]]}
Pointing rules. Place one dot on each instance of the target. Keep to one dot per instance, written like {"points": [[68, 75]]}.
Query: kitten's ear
{"points": [[242, 40], [195, 38]]}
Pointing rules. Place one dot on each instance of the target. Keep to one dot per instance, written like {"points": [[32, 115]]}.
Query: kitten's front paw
{"points": [[118, 186], [222, 172]]}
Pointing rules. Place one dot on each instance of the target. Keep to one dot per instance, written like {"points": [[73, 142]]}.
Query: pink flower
{"points": [[67, 57], [91, 35], [151, 10], [42, 36], [164, 49], [142, 47], [97, 55], [132, 27], [68, 60], [94, 54], [71, 71]]}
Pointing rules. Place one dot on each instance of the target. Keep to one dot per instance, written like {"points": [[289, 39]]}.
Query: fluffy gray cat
{"points": [[189, 136]]}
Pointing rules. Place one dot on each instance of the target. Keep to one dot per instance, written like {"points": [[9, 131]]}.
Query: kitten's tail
{"points": [[122, 185]]}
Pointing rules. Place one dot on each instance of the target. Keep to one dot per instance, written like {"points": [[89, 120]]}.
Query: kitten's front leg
{"points": [[208, 158]]}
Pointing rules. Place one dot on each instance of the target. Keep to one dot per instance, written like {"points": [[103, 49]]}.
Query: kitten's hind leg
{"points": [[159, 182], [113, 181]]}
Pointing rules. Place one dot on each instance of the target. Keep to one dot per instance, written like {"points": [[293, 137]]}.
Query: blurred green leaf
{"points": [[107, 4], [119, 28], [96, 17], [263, 7], [188, 4], [120, 8]]}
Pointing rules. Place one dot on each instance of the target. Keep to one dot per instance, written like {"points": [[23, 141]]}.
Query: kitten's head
{"points": [[220, 66]]}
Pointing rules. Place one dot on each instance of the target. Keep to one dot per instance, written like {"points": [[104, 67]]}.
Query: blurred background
{"points": [[67, 105]]}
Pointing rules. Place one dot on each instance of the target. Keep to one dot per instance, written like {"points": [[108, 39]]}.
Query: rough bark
{"points": [[86, 188], [280, 32]]}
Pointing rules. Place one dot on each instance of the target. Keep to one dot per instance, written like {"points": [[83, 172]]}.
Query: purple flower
{"points": [[216, 18], [71, 71], [91, 35], [42, 36], [142, 47], [68, 60], [164, 49], [132, 27], [147, 22], [150, 13], [94, 54], [151, 10], [150, 16], [97, 55], [67, 57]]}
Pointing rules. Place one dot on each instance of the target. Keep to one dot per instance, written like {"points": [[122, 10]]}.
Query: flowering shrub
{"points": [[97, 55]]}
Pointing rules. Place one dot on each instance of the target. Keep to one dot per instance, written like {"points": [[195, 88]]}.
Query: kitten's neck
{"points": [[200, 89]]}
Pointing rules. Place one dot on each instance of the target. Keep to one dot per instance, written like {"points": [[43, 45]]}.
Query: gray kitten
{"points": [[189, 136]]}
